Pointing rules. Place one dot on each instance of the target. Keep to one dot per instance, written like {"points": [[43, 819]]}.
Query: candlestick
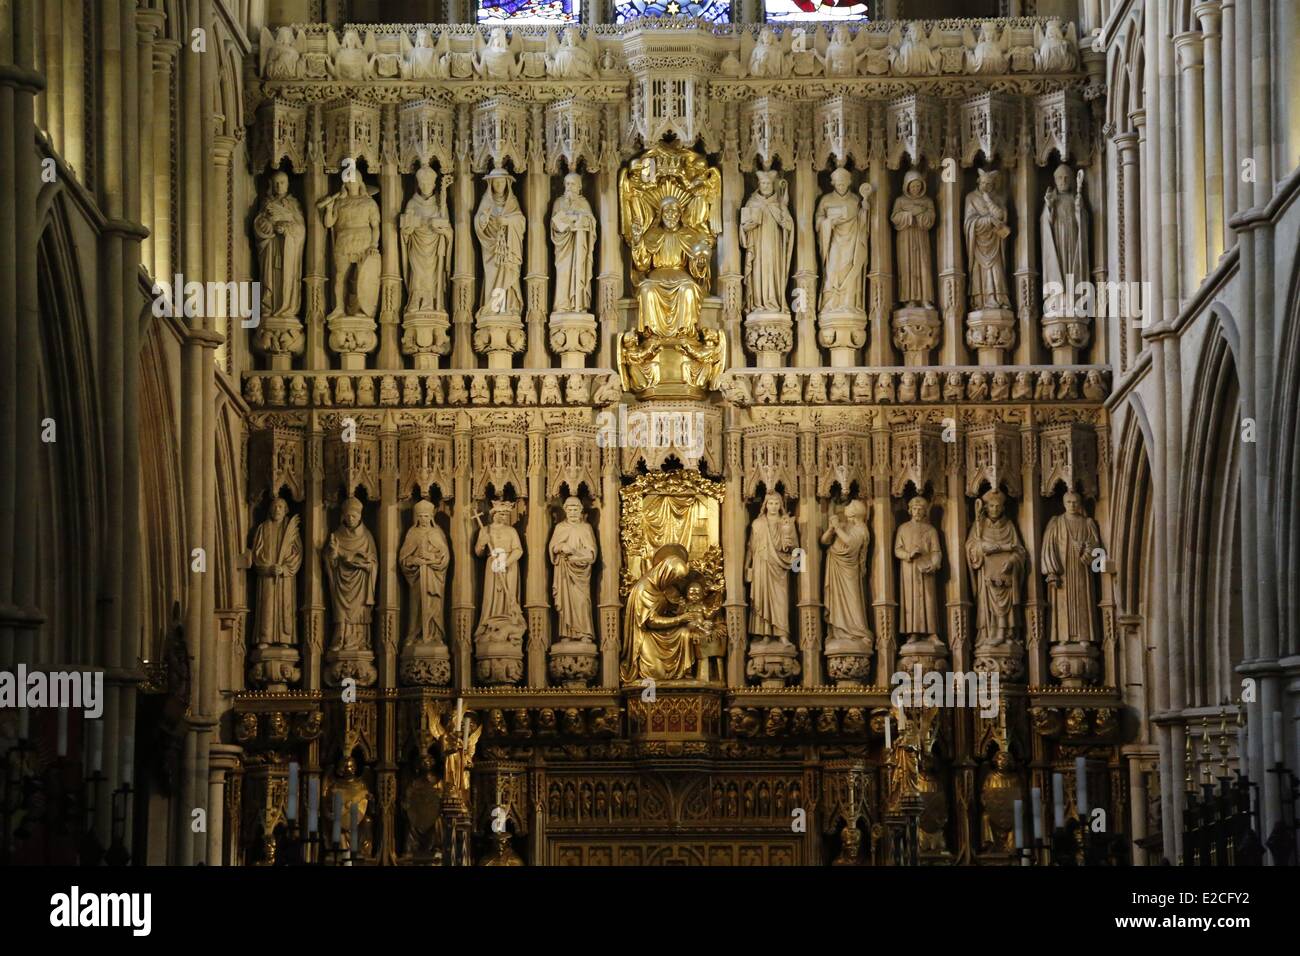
{"points": [[1081, 785], [1019, 806], [96, 746], [63, 731], [291, 811], [313, 803], [1036, 805], [889, 740], [460, 711], [1277, 736], [1058, 801], [337, 835]]}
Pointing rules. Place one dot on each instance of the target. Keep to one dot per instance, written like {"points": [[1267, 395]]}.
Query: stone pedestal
{"points": [[848, 661], [499, 336], [573, 663], [916, 333], [498, 662], [356, 664], [1075, 664], [771, 663], [573, 337], [1007, 660], [352, 337], [280, 338], [1065, 335], [991, 332], [770, 336], [425, 665], [843, 333], [425, 335], [929, 652], [273, 667]]}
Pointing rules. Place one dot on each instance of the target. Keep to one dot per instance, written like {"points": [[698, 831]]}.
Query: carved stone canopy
{"points": [[843, 125], [573, 460], [500, 133], [843, 457], [351, 132], [573, 134], [425, 461], [989, 126], [1068, 457], [1062, 124], [914, 125], [352, 465], [917, 456], [768, 127], [500, 460], [993, 458], [426, 133], [275, 461], [280, 134], [771, 457]]}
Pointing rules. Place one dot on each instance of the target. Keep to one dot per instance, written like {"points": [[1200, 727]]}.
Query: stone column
{"points": [[51, 26], [1130, 172], [462, 578], [149, 24], [1212, 75], [729, 264], [883, 592], [880, 279], [956, 523], [164, 56], [537, 603], [1028, 287], [734, 520], [1191, 126], [810, 636], [609, 280], [315, 188], [952, 266], [73, 85], [315, 534], [1227, 81], [611, 608], [804, 300], [537, 191], [388, 540], [390, 283], [462, 277], [222, 150], [1032, 523]]}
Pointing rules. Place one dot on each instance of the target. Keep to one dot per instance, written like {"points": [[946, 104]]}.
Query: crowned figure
{"points": [[668, 198]]}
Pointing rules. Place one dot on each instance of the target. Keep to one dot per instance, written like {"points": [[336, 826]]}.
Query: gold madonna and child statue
{"points": [[668, 200]]}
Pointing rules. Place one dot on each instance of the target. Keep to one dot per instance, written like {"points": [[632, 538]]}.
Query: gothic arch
{"points": [[1211, 601], [1286, 506]]}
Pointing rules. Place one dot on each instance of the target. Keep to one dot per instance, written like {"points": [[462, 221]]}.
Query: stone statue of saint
{"points": [[767, 236], [281, 232], [421, 61], [501, 618], [849, 540], [573, 234], [352, 567], [1068, 545], [772, 541], [997, 562], [571, 58], [656, 634], [499, 224], [914, 217], [573, 553], [843, 227], [353, 217], [986, 235], [916, 545], [352, 59], [423, 559], [766, 59], [1065, 240], [277, 556], [494, 60], [426, 233]]}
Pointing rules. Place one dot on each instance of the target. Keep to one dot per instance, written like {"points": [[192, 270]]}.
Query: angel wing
{"points": [[471, 741], [264, 50], [443, 46], [896, 35], [635, 209], [369, 43], [1072, 34], [552, 44], [332, 43], [407, 45], [968, 37], [704, 211], [747, 45], [1038, 36]]}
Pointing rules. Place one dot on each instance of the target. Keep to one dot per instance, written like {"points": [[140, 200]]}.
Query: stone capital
{"points": [[1208, 12], [1189, 49]]}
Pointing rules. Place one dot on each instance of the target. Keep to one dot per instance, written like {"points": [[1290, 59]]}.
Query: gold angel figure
{"points": [[669, 201]]}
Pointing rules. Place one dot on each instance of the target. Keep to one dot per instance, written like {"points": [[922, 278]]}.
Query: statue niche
{"points": [[667, 199]]}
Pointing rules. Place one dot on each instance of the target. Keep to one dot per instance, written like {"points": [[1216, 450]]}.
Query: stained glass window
{"points": [[529, 11], [715, 11], [782, 11]]}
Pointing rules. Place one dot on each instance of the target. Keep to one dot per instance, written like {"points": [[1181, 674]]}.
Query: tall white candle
{"points": [[96, 746], [1036, 806], [313, 804], [1019, 806], [63, 731], [128, 758], [1058, 800], [291, 811], [1277, 736], [1081, 785], [337, 835]]}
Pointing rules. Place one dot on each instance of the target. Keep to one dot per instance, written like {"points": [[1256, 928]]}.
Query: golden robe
{"points": [[656, 644], [669, 295]]}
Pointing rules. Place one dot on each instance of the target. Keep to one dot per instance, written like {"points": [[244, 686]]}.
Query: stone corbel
{"points": [[767, 127], [771, 457], [988, 126], [351, 131], [500, 132], [426, 132], [275, 461], [993, 456], [425, 461], [843, 457], [914, 128], [281, 133], [1069, 457], [1062, 123], [917, 455], [573, 135]]}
